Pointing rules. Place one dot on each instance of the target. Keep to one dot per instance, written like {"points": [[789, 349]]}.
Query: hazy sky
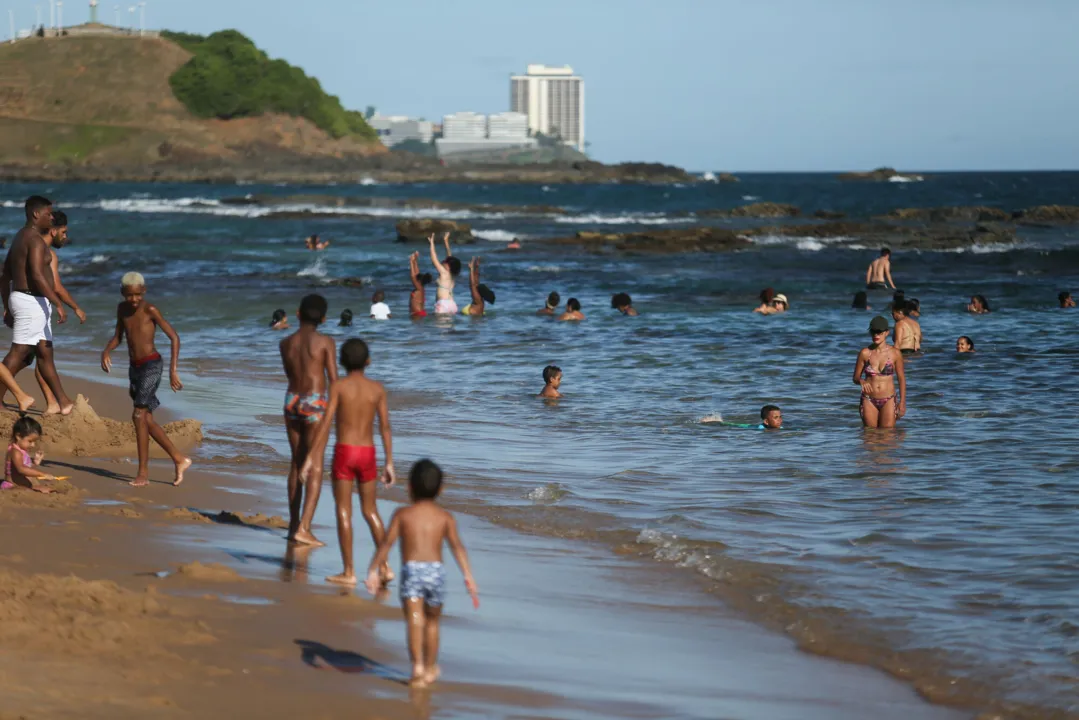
{"points": [[705, 84]]}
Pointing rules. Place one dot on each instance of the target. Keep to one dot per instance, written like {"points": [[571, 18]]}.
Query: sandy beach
{"points": [[186, 602]]}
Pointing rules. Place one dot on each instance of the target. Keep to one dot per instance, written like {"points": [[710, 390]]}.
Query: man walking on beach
{"points": [[879, 271], [27, 290]]}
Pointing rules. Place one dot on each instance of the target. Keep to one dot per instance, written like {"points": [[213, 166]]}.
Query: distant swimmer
{"points": [[771, 419], [964, 344], [778, 304], [346, 318], [978, 305], [279, 320], [874, 371], [914, 308], [552, 304], [623, 303], [861, 301], [448, 269], [907, 335], [879, 274], [766, 297], [481, 294], [552, 378], [514, 244], [417, 299], [314, 243], [573, 311], [1065, 299], [379, 309]]}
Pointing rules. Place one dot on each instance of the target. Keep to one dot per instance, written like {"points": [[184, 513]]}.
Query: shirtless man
{"points": [[27, 288], [907, 335], [879, 274]]}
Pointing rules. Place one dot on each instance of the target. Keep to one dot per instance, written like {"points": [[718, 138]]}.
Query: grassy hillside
{"points": [[108, 101]]}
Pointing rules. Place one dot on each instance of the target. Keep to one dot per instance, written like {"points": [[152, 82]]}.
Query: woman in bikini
{"points": [[447, 270], [874, 371], [417, 299]]}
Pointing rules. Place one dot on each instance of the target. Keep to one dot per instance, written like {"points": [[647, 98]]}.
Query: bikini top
{"points": [[887, 370]]}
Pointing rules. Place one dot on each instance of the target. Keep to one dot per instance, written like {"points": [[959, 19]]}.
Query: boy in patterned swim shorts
{"points": [[138, 320], [423, 527], [311, 368]]}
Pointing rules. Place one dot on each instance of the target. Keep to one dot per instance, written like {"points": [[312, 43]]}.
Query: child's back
{"points": [[359, 398], [424, 527], [307, 356]]}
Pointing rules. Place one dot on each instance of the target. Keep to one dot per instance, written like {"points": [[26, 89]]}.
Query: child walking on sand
{"points": [[139, 321], [356, 401], [308, 358], [21, 469], [423, 527]]}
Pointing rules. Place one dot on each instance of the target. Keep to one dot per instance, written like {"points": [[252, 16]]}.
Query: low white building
{"points": [[395, 129], [469, 133], [464, 126], [507, 126]]}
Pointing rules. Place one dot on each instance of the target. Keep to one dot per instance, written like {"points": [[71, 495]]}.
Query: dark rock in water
{"points": [[728, 178], [937, 236], [418, 231], [883, 174], [950, 214], [1051, 214], [829, 215], [697, 239], [352, 282], [755, 210]]}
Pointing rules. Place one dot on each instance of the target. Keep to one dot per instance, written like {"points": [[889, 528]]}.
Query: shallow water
{"points": [[950, 536]]}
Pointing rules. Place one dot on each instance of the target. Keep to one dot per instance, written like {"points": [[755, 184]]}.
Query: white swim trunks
{"points": [[33, 318]]}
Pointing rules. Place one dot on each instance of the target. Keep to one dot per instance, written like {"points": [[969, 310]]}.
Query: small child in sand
{"points": [[309, 360], [552, 304], [379, 309], [20, 470], [423, 527], [355, 400], [138, 320], [552, 376], [573, 311], [417, 299], [623, 303]]}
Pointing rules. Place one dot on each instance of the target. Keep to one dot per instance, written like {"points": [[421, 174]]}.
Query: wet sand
{"points": [[120, 602]]}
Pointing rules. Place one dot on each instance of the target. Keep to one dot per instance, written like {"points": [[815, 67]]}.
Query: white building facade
{"points": [[464, 126], [394, 129], [552, 98]]}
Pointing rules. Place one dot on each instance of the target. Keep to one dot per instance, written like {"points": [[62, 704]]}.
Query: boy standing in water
{"points": [[356, 401], [139, 321], [552, 379], [423, 527], [308, 358]]}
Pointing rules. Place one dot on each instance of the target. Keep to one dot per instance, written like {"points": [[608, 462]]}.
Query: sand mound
{"points": [[214, 572], [258, 520], [187, 515], [84, 433]]}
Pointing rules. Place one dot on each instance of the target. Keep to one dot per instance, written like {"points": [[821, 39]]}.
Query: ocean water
{"points": [[942, 549]]}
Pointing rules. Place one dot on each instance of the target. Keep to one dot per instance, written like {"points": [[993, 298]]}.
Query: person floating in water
{"points": [[279, 320], [623, 303], [514, 244], [138, 321], [914, 308], [314, 243], [481, 294], [552, 304], [346, 318], [573, 311], [417, 299], [424, 528], [873, 372], [379, 309], [771, 419], [964, 344], [908, 333], [356, 401], [879, 274], [978, 305], [309, 360], [861, 301], [448, 269], [552, 378], [1066, 300], [766, 297]]}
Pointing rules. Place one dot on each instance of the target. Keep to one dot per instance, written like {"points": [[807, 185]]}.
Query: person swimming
{"points": [[447, 271], [908, 333], [279, 321], [346, 318], [978, 305], [481, 294], [964, 344], [1065, 299], [766, 297], [573, 311], [552, 304], [417, 299], [861, 301], [623, 303]]}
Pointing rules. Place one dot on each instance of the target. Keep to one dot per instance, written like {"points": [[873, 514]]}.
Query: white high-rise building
{"points": [[553, 100]]}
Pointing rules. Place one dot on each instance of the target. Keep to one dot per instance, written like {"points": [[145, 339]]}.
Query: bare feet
{"points": [[181, 466], [342, 579], [51, 410], [67, 410], [26, 403], [304, 537], [432, 675], [419, 677], [140, 481], [385, 575]]}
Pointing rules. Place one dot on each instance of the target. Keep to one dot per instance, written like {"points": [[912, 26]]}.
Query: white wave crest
{"points": [[905, 179], [669, 548], [550, 493], [209, 206], [98, 259], [711, 418], [544, 268], [708, 176], [811, 244], [628, 219], [316, 269], [751, 198], [497, 235]]}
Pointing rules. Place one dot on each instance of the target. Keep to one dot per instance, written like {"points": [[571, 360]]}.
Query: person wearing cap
{"points": [[777, 304], [875, 371]]}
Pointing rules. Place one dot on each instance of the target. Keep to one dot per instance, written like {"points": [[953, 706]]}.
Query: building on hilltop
{"points": [[472, 135], [464, 126], [507, 126], [552, 98], [395, 129]]}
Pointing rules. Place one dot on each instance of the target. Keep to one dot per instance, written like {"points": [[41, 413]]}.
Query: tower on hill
{"points": [[553, 100]]}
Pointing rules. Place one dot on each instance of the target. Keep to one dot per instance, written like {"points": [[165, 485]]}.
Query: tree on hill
{"points": [[229, 77]]}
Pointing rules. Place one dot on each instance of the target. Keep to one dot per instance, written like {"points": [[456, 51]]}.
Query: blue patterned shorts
{"points": [[424, 580]]}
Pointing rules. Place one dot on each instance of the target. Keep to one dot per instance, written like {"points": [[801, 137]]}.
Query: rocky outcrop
{"points": [[829, 215], [882, 174], [1049, 214], [697, 239], [936, 236], [950, 214], [418, 230], [755, 210], [728, 178]]}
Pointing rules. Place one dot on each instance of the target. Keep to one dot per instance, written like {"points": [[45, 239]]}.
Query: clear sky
{"points": [[705, 84]]}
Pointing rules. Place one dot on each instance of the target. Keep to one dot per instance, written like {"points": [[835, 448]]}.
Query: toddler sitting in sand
{"points": [[21, 469]]}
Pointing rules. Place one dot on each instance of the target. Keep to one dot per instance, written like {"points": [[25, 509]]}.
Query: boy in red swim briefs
{"points": [[355, 400]]}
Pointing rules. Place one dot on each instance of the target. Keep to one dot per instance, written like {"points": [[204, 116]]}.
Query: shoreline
{"points": [[180, 535]]}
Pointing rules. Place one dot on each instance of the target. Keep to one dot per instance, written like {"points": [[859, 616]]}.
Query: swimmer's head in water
{"points": [[553, 299], [885, 252], [861, 300], [979, 301], [572, 305], [914, 306], [486, 293], [964, 344], [424, 278], [278, 316], [378, 297], [1064, 297], [355, 355], [552, 375], [900, 308], [454, 265], [621, 300], [772, 416], [767, 295], [346, 318], [313, 309], [425, 480]]}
